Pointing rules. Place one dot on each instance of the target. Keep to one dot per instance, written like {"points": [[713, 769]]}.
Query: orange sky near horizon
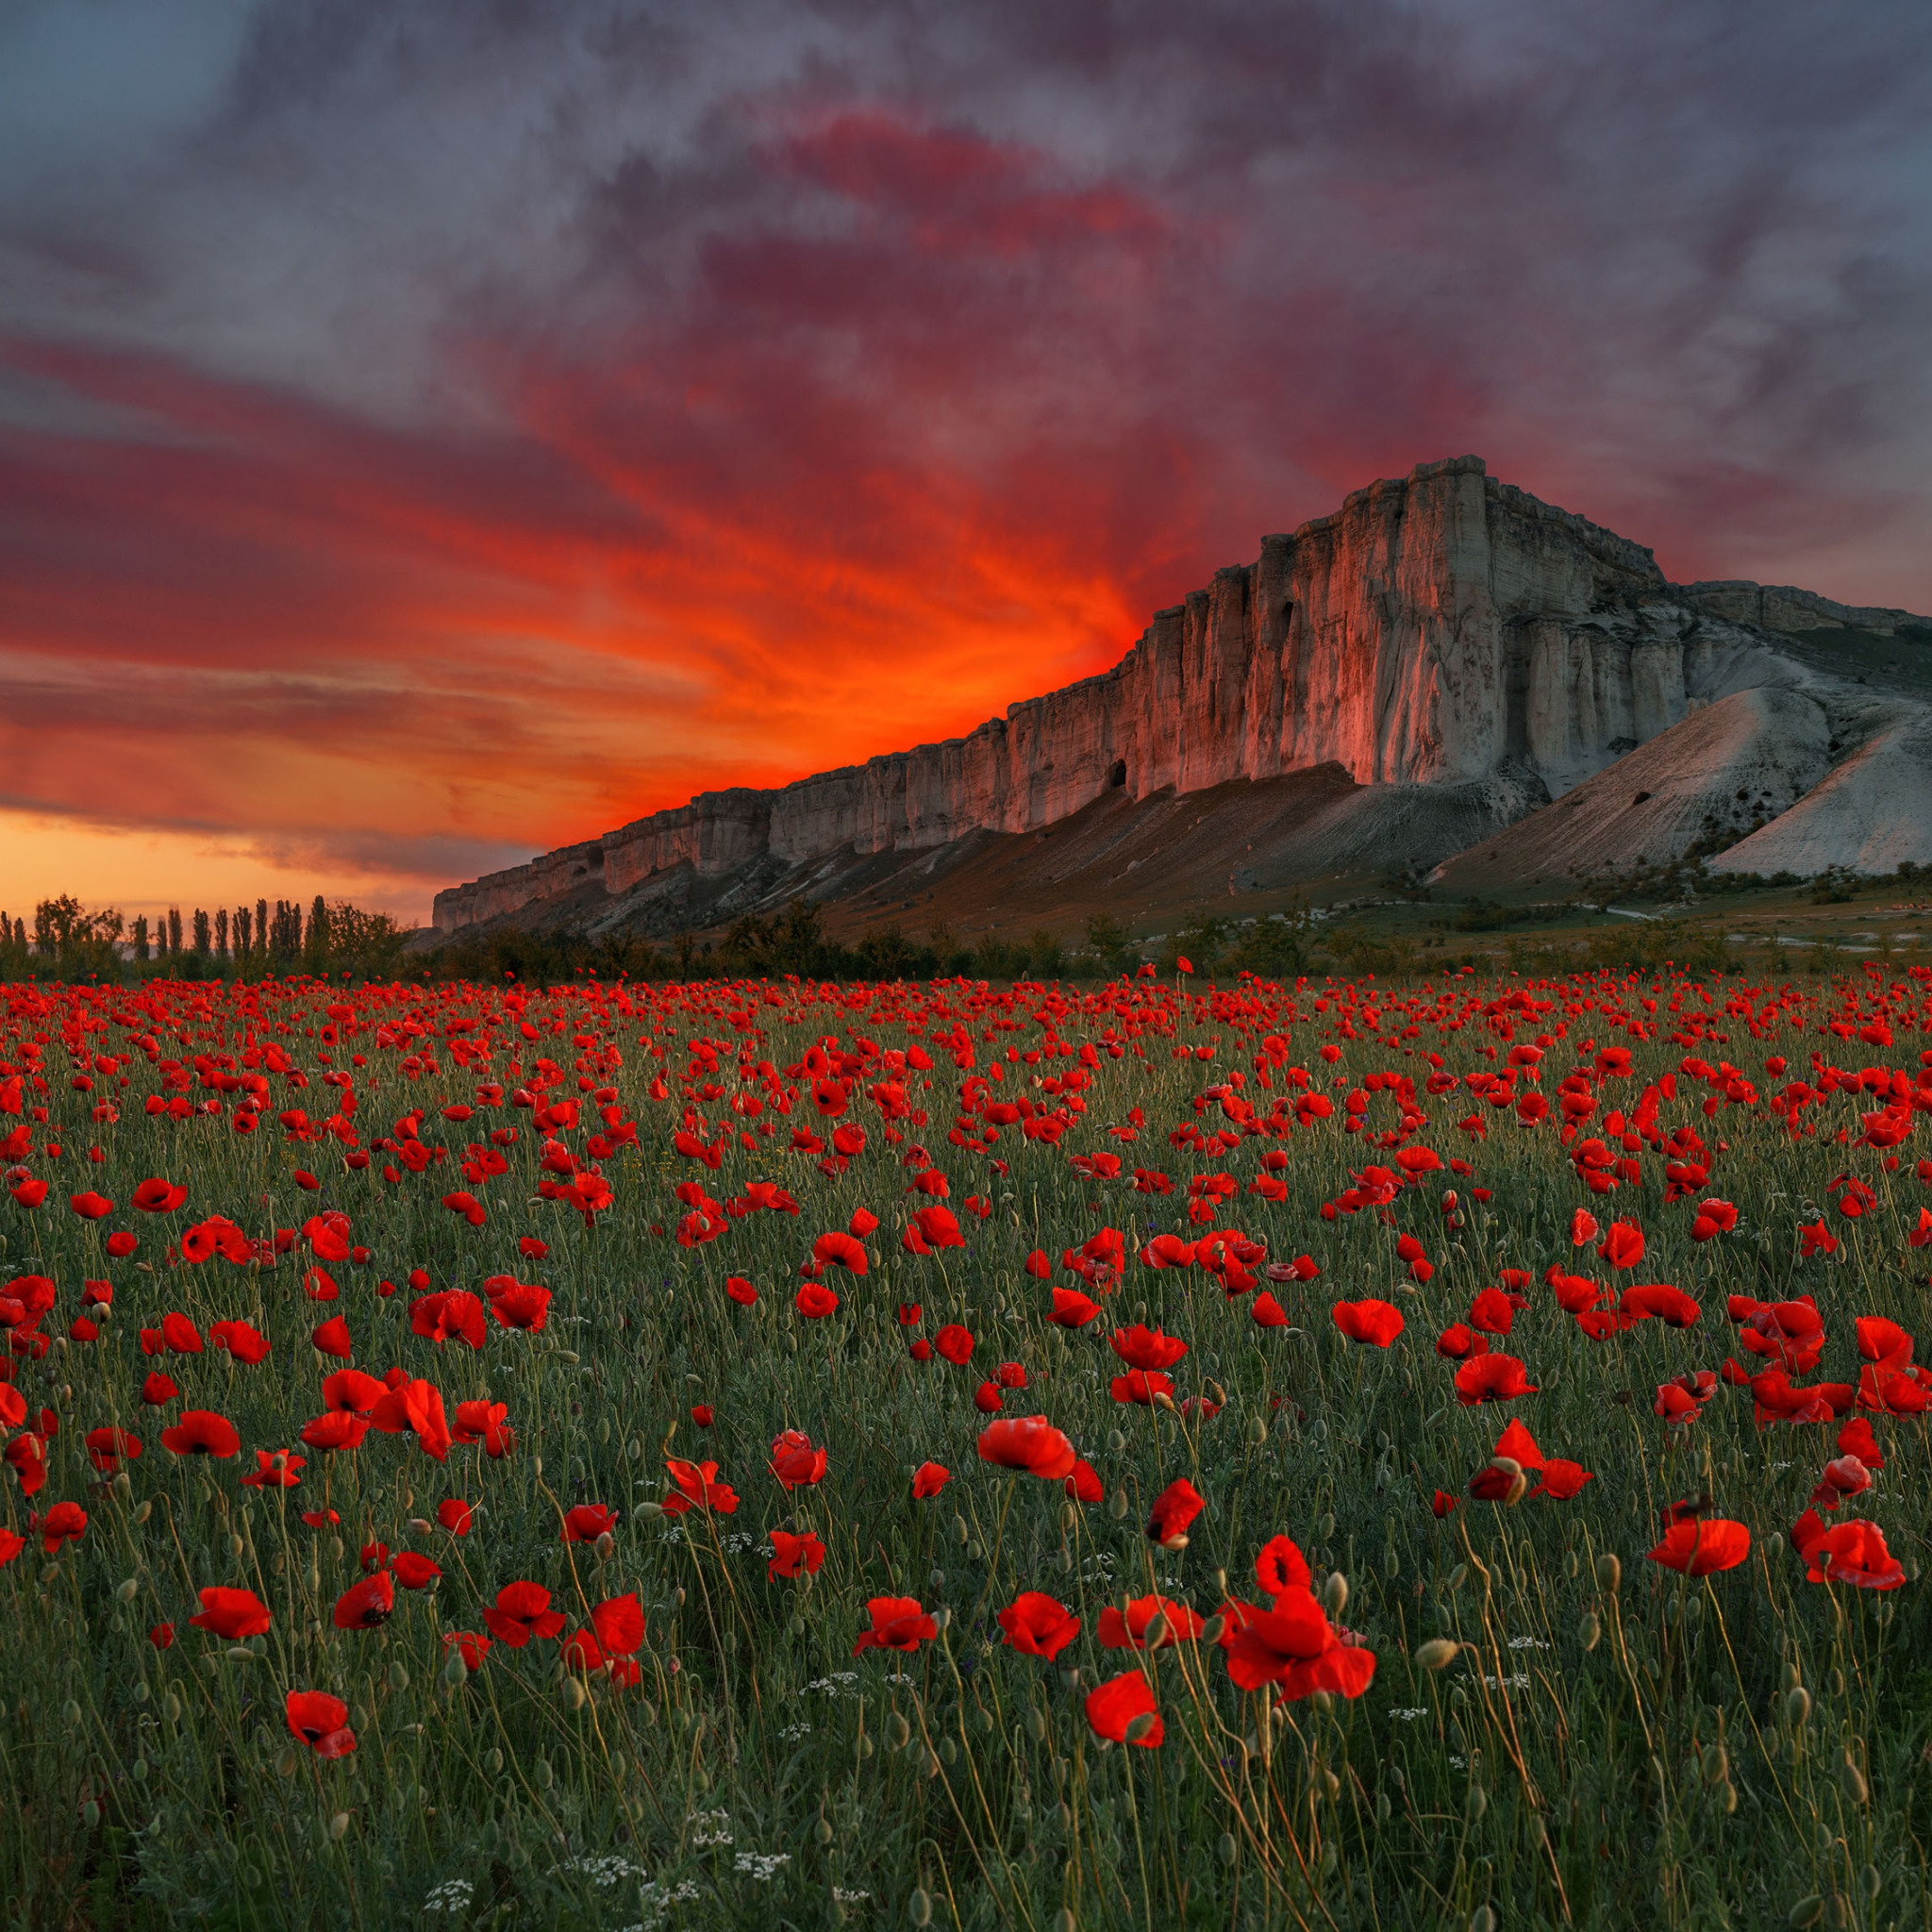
{"points": [[418, 452]]}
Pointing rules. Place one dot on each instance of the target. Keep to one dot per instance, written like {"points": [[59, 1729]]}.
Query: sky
{"points": [[431, 433]]}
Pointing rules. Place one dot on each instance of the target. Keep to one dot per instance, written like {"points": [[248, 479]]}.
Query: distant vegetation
{"points": [[67, 941]]}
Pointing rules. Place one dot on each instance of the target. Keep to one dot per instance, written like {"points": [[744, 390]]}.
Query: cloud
{"points": [[472, 427]]}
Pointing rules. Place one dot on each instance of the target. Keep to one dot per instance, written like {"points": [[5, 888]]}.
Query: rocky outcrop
{"points": [[1778, 606], [1446, 630]]}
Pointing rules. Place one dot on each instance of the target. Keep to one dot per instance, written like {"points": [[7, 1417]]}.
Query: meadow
{"points": [[761, 1453]]}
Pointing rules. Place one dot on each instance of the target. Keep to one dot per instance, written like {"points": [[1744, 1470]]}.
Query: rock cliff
{"points": [[1446, 630]]}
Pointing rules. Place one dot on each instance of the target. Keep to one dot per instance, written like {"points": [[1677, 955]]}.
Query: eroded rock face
{"points": [[1445, 629]]}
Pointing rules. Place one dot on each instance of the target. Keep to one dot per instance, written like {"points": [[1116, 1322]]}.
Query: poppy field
{"points": [[756, 1453]]}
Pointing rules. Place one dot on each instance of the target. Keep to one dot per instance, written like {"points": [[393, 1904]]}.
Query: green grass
{"points": [[1564, 1768]]}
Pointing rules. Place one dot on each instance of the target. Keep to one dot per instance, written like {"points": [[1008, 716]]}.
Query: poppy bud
{"points": [[1853, 1781], [129, 1591], [898, 1732], [1335, 1594], [1140, 1726], [1609, 1575], [1807, 1911], [1588, 1630], [1483, 1918], [1438, 1653], [1211, 1630], [919, 1907], [455, 1673], [1258, 1431], [1716, 1764], [1798, 1705], [339, 1826]]}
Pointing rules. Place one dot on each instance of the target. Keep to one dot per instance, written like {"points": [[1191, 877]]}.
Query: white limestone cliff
{"points": [[1440, 630]]}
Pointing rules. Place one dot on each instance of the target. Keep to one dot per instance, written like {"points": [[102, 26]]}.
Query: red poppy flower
{"points": [[321, 1722], [1175, 1508], [158, 1390], [1129, 1632], [232, 1613], [1850, 1552], [898, 1623], [1027, 1443], [1703, 1548], [108, 1447], [414, 1571], [954, 1343], [1491, 1378], [414, 1407], [455, 1515], [179, 1336], [1883, 1341], [1658, 1299], [1141, 1348], [1145, 1386], [1266, 1313], [1493, 1311], [928, 1479], [366, 1606], [90, 1206], [1294, 1647], [796, 1462], [121, 1244], [487, 1422], [473, 1645], [1113, 1709], [65, 1523], [158, 1197], [521, 1611], [620, 1624], [160, 1635], [1441, 1504], [202, 1432], [986, 1398], [1280, 1566], [450, 1314], [335, 1429], [524, 1305], [1562, 1479], [1072, 1309], [1083, 1485], [697, 1488], [275, 1469], [741, 1291], [790, 1554], [1375, 1323], [814, 1300], [1844, 1475], [840, 1250], [587, 1522], [1037, 1626]]}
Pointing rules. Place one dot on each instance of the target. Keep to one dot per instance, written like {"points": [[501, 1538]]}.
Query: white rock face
{"points": [[1444, 630], [1870, 814]]}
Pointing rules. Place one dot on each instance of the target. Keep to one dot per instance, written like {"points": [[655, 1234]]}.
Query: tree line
{"points": [[69, 940]]}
